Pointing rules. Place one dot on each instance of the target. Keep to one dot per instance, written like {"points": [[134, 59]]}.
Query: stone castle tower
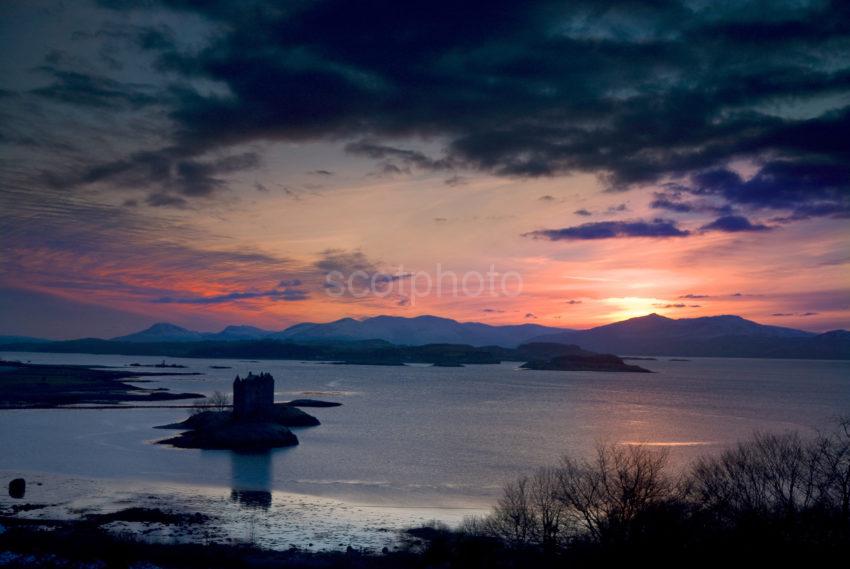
{"points": [[253, 397]]}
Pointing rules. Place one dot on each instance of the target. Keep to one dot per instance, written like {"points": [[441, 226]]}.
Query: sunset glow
{"points": [[121, 234]]}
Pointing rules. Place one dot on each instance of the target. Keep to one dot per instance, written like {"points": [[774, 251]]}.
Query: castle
{"points": [[253, 397]]}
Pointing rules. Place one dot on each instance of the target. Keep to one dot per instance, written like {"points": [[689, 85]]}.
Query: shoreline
{"points": [[311, 522], [182, 486]]}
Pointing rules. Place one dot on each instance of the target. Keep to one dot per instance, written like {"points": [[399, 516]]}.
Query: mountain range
{"points": [[652, 335], [720, 336], [166, 332], [416, 331]]}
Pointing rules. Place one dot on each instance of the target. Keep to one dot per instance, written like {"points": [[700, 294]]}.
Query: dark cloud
{"points": [[667, 204], [546, 198], [694, 296], [634, 92], [397, 156], [165, 172], [492, 310], [289, 294], [733, 224], [160, 199], [583, 212], [832, 261], [345, 262], [611, 229], [144, 37], [98, 92], [322, 173], [382, 278], [344, 270], [673, 201], [801, 314], [455, 181], [573, 301], [674, 305], [808, 188], [531, 316]]}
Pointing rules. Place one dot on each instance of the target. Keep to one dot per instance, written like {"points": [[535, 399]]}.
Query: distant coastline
{"points": [[24, 385], [389, 340]]}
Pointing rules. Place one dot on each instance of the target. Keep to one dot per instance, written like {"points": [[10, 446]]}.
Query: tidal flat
{"points": [[226, 516]]}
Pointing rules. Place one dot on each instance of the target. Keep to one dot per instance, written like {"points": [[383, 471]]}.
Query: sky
{"points": [[564, 163]]}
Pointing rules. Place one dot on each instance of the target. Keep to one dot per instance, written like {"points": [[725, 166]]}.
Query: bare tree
{"points": [[198, 406], [529, 512], [512, 518], [832, 469], [218, 401], [597, 498], [548, 512], [769, 474], [604, 496]]}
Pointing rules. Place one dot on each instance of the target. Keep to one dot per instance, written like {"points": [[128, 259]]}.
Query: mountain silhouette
{"points": [[725, 335], [162, 332], [415, 331], [651, 335]]}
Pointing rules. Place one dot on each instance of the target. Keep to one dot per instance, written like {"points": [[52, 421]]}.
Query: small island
{"points": [[254, 423], [162, 364], [573, 358], [447, 363]]}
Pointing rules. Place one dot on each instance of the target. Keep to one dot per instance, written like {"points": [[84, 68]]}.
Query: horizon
{"points": [[364, 318], [202, 165]]}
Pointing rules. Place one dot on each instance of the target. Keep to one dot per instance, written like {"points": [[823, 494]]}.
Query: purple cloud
{"points": [[657, 228], [734, 224]]}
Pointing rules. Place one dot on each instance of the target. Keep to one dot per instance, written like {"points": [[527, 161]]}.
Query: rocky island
{"points": [[255, 421]]}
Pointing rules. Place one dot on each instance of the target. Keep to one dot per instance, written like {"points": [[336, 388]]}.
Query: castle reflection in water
{"points": [[251, 478]]}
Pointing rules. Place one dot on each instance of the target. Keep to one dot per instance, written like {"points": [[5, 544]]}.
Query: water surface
{"points": [[426, 437]]}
